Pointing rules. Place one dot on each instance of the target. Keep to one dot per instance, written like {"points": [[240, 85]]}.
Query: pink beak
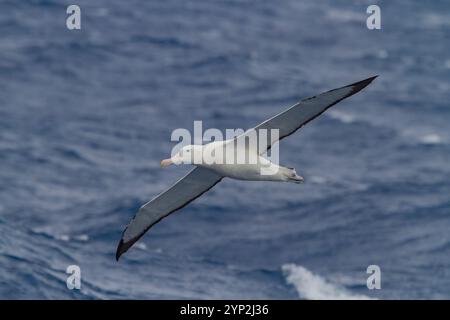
{"points": [[166, 163]]}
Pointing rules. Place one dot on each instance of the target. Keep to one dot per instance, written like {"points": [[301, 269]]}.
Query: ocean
{"points": [[87, 115]]}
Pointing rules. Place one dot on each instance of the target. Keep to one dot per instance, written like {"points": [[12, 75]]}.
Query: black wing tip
{"points": [[122, 248], [358, 86]]}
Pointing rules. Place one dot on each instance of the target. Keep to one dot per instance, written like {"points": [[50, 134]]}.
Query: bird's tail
{"points": [[291, 175]]}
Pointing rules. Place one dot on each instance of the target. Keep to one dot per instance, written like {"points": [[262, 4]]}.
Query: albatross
{"points": [[204, 176]]}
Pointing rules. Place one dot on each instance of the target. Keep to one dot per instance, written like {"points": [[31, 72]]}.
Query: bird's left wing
{"points": [[295, 117], [191, 186]]}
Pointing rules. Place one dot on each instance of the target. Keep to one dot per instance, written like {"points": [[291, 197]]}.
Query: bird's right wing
{"points": [[191, 186]]}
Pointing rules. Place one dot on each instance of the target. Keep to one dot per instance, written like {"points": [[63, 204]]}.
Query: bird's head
{"points": [[184, 156]]}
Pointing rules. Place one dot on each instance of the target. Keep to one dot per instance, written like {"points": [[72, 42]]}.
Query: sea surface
{"points": [[86, 116]]}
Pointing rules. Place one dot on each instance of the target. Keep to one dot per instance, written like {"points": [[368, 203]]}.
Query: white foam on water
{"points": [[317, 179], [49, 232], [341, 116], [313, 287], [82, 237], [345, 15], [63, 237], [382, 54], [431, 139], [141, 246]]}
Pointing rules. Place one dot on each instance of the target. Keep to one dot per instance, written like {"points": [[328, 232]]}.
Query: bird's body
{"points": [[252, 172], [239, 161], [232, 159]]}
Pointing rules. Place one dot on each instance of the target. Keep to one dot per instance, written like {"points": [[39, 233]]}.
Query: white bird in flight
{"points": [[205, 176]]}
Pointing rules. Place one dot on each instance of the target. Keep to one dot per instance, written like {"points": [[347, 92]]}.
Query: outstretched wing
{"points": [[191, 186], [301, 113]]}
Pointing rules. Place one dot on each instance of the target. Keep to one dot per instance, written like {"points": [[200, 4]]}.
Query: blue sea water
{"points": [[86, 116]]}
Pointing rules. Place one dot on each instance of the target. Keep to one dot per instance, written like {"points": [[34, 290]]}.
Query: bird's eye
{"points": [[188, 150]]}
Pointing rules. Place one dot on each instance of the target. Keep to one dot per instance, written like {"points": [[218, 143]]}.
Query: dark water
{"points": [[86, 116]]}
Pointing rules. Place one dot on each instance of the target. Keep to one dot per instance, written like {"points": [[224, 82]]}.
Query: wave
{"points": [[313, 287]]}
